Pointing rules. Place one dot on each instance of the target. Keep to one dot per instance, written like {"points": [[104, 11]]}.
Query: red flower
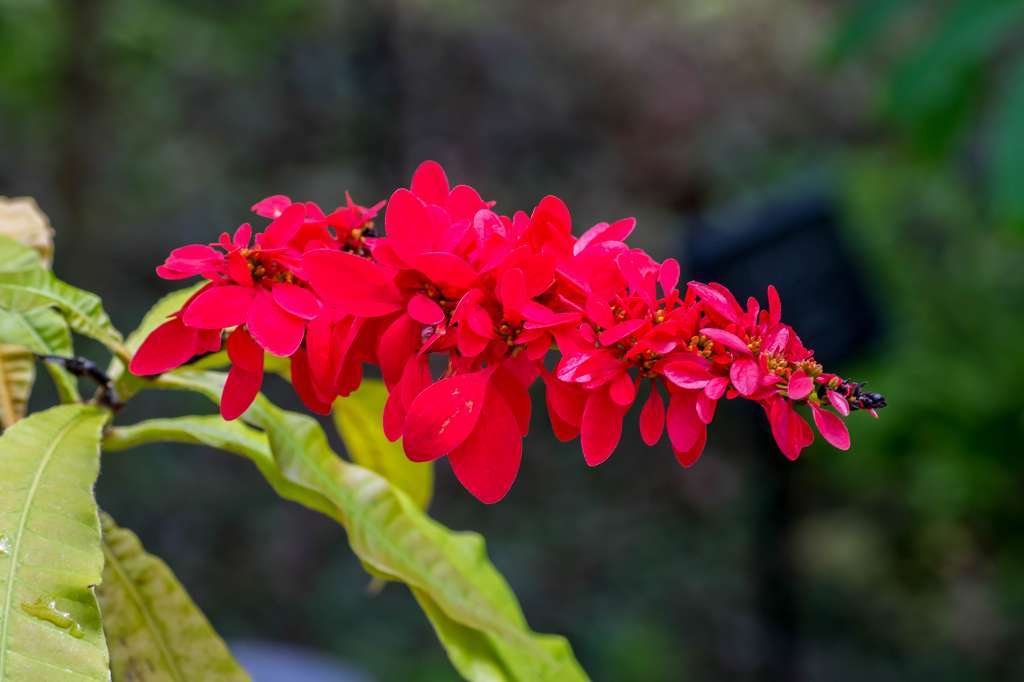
{"points": [[257, 289], [492, 295]]}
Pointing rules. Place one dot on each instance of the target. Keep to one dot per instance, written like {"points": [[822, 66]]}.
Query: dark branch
{"points": [[83, 367]]}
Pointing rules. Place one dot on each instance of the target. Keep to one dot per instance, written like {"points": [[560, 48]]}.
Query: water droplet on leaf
{"points": [[45, 608]]}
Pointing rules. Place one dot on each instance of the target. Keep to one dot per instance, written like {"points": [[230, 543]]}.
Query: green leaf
{"points": [[50, 540], [358, 419], [471, 606], [17, 374], [43, 331], [153, 628], [29, 289], [933, 90]]}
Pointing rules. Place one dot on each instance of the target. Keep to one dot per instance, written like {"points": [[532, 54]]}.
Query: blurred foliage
{"points": [[918, 541], [954, 80]]}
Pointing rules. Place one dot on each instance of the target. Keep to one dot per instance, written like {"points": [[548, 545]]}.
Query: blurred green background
{"points": [[140, 125]]}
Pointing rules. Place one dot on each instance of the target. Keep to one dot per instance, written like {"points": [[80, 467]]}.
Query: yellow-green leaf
{"points": [[17, 374], [16, 257], [50, 555], [154, 630], [473, 609], [42, 331], [26, 243], [25, 290], [358, 420]]}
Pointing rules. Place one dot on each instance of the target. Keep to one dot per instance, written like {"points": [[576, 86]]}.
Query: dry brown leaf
{"points": [[22, 220]]}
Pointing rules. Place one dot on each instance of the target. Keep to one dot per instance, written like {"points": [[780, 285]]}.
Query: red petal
{"points": [[165, 272], [244, 352], [841, 405], [355, 285], [831, 428], [488, 460], [193, 254], [302, 380], [727, 339], [716, 388], [238, 269], [601, 427], [273, 328], [442, 416], [689, 457], [323, 357], [800, 385], [515, 395], [563, 431], [430, 183], [687, 374], [706, 407], [684, 426], [715, 300], [539, 273], [240, 390], [622, 390], [425, 310], [409, 228], [565, 400], [284, 227], [219, 307], [603, 232], [668, 277], [776, 341], [243, 234], [600, 312], [512, 289], [463, 202], [297, 300], [553, 214], [397, 344], [774, 305], [620, 331], [538, 316], [481, 323], [745, 375], [271, 207], [170, 345], [446, 269], [652, 418], [415, 378], [209, 341], [787, 428]]}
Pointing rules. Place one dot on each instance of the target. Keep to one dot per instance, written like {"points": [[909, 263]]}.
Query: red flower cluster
{"points": [[492, 295]]}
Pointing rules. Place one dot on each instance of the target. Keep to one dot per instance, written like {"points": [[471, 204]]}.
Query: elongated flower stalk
{"points": [[496, 296]]}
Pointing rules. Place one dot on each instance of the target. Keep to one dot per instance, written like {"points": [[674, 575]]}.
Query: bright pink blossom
{"points": [[494, 298]]}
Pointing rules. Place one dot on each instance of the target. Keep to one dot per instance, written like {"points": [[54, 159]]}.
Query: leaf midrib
{"points": [[136, 598], [85, 321], [22, 523]]}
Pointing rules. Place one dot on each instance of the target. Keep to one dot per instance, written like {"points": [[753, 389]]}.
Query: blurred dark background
{"points": [[866, 156]]}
